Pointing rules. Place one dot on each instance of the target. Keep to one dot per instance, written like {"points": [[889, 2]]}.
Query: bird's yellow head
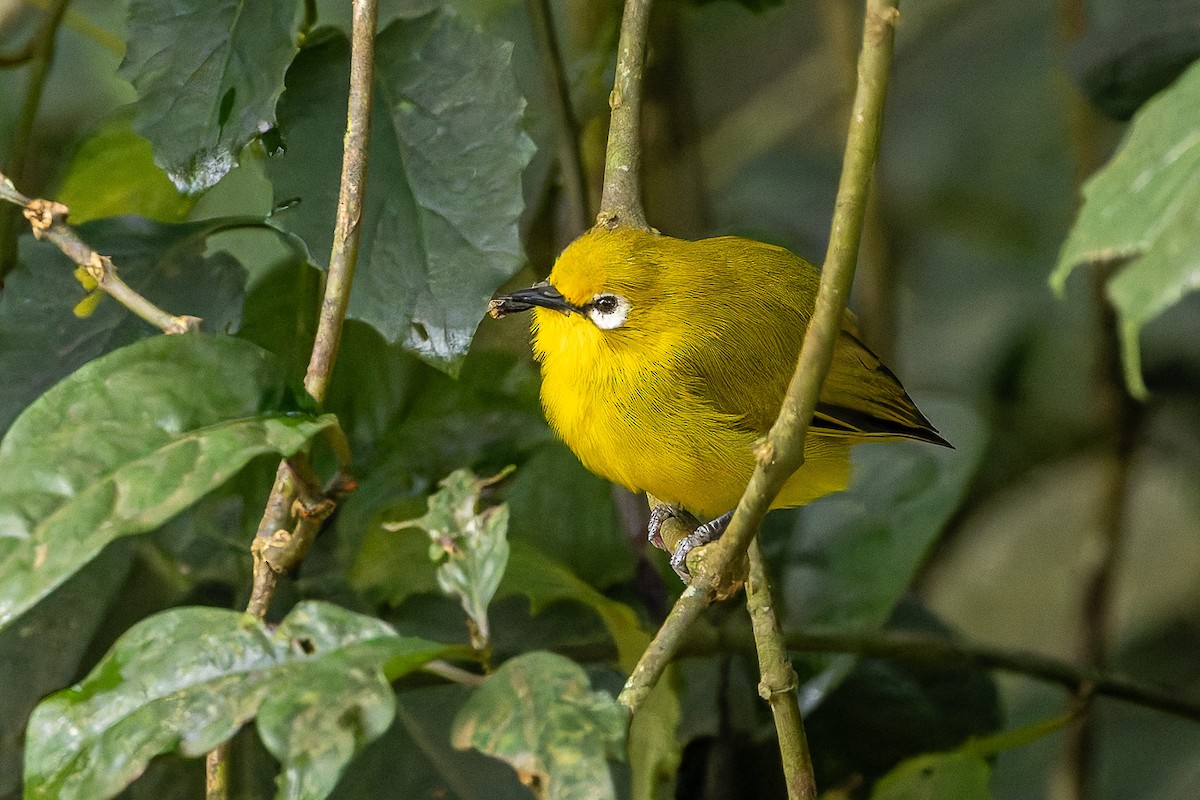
{"points": [[602, 294]]}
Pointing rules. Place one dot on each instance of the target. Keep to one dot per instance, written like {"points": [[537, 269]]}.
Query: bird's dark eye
{"points": [[605, 303]]}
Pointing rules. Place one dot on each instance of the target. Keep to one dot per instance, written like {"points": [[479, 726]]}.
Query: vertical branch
{"points": [[778, 683], [621, 202], [782, 453], [346, 231], [276, 549], [42, 57]]}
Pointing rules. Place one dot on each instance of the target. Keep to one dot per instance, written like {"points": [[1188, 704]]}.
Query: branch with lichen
{"points": [[48, 219]]}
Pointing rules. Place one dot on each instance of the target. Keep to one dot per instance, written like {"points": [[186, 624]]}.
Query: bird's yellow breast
{"points": [[618, 401]]}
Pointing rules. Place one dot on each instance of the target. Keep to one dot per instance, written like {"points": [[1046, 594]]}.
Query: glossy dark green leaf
{"points": [[207, 74], [113, 173], [125, 443], [187, 679], [539, 713], [1140, 211], [41, 340], [439, 231]]}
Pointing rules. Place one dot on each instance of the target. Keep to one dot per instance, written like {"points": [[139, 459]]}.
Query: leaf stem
{"points": [[778, 683], [621, 201], [48, 221]]}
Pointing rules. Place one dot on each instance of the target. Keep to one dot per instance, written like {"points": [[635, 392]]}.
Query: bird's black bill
{"points": [[540, 294]]}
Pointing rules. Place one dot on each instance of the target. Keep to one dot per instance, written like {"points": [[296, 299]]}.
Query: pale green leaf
{"points": [[470, 547], [1142, 211], [938, 776], [113, 173], [539, 713], [187, 679]]}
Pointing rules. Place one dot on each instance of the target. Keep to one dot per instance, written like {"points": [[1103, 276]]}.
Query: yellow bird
{"points": [[665, 361]]}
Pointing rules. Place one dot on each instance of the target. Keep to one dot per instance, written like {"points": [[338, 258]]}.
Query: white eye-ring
{"points": [[608, 311]]}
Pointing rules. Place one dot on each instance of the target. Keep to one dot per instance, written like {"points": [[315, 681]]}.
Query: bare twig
{"points": [[621, 201], [778, 683], [782, 453], [48, 220]]}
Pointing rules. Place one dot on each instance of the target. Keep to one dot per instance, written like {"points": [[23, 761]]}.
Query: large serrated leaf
{"points": [[187, 679], [1143, 208], [207, 73], [439, 227], [539, 713], [125, 443], [42, 341]]}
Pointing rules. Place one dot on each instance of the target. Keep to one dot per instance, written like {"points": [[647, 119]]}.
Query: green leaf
{"points": [[207, 75], [113, 173], [1141, 211], [439, 227], [568, 513], [62, 626], [962, 773], [41, 340], [853, 554], [187, 679], [544, 581], [538, 713], [125, 443], [958, 775], [470, 548]]}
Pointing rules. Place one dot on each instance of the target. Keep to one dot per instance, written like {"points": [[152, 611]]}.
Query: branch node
{"points": [[42, 214], [768, 692]]}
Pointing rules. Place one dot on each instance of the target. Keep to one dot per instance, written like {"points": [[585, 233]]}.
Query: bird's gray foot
{"points": [[704, 534]]}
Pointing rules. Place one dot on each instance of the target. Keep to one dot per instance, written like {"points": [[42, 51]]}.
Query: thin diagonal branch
{"points": [[782, 453], [48, 220]]}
